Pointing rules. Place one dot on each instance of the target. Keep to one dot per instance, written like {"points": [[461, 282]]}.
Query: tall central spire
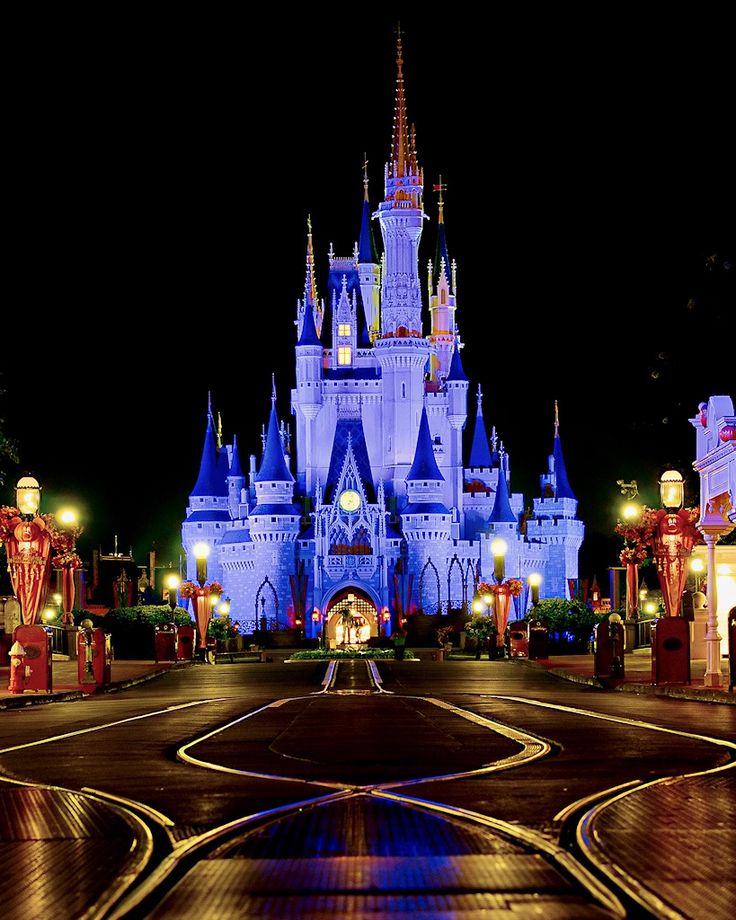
{"points": [[400, 150]]}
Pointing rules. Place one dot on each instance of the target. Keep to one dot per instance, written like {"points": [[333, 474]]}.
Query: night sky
{"points": [[161, 176]]}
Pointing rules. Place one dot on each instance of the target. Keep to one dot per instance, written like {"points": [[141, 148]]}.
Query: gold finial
{"points": [[400, 152], [365, 176], [273, 390], [219, 430], [557, 420], [440, 188]]}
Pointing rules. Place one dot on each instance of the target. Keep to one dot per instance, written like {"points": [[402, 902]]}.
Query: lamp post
{"points": [[534, 581], [172, 583], [697, 567], [28, 547], [202, 597], [499, 549], [673, 541]]}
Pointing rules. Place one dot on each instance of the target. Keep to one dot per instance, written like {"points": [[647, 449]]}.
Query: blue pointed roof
{"points": [[456, 366], [502, 512], [309, 330], [273, 465], [442, 253], [349, 431], [235, 467], [207, 482], [480, 451], [424, 466], [364, 339], [223, 471], [564, 489], [366, 249]]}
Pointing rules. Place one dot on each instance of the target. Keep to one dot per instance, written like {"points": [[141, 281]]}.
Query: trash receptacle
{"points": [[517, 639], [36, 640], [670, 651], [185, 637], [165, 642], [608, 658], [94, 658], [538, 633]]}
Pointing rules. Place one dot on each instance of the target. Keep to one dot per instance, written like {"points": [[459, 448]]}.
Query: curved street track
{"points": [[444, 789]]}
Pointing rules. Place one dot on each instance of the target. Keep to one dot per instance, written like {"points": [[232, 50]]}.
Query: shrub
{"points": [[564, 616], [323, 654]]}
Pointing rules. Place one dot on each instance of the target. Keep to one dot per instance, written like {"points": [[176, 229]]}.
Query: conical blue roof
{"points": [[424, 466], [349, 431], [207, 483], [442, 253], [480, 451], [273, 465], [456, 366], [502, 513], [564, 490], [309, 330], [223, 470], [366, 249], [235, 468], [364, 339]]}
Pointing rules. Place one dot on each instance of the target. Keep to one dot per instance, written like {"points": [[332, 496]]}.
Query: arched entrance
{"points": [[357, 627]]}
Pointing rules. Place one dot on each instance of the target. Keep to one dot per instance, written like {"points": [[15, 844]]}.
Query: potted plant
{"points": [[443, 635], [482, 628]]}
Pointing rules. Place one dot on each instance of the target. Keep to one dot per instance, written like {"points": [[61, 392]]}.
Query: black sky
{"points": [[162, 171]]}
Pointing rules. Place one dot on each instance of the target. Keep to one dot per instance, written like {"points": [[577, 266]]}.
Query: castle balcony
{"points": [[350, 566]]}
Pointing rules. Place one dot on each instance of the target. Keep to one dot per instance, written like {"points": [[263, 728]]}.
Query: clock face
{"points": [[350, 500]]}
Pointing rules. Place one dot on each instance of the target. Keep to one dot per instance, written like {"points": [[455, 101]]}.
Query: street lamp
{"points": [[535, 580], [68, 517], [28, 496], [201, 553], [671, 490], [697, 567], [499, 548], [172, 583]]}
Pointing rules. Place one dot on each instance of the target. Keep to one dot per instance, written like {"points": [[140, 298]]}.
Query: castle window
{"points": [[403, 391], [343, 329], [344, 354], [443, 296], [273, 520]]}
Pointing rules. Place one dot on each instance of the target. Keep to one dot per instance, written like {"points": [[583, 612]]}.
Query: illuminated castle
{"points": [[376, 505]]}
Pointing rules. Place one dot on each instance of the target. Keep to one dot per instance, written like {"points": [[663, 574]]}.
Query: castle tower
{"points": [[441, 300], [311, 298], [369, 267], [235, 482], [400, 349], [307, 397], [344, 327], [556, 524], [207, 512], [425, 521]]}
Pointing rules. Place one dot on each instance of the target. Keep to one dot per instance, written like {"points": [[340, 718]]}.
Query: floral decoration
{"points": [[67, 561]]}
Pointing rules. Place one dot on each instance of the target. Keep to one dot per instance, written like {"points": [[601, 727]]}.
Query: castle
{"points": [[376, 509]]}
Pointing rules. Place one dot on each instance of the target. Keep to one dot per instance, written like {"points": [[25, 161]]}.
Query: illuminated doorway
{"points": [[351, 619]]}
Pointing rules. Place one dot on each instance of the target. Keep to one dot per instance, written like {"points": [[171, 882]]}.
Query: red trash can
{"points": [[185, 642], [165, 642]]}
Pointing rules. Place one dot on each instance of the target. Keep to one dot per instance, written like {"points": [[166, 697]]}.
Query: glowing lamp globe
{"points": [[671, 490], [28, 495], [499, 547], [225, 608], [630, 511], [535, 580], [697, 566], [201, 550], [478, 606], [68, 517], [172, 582]]}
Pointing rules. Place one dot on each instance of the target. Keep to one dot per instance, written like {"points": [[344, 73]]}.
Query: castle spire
{"points": [[273, 466], [442, 263], [563, 489], [366, 247], [400, 150], [457, 371], [207, 484], [480, 454], [502, 512], [424, 466], [235, 467], [219, 430]]}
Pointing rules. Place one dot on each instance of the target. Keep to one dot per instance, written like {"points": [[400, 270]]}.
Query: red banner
{"points": [[501, 612], [29, 564], [202, 614]]}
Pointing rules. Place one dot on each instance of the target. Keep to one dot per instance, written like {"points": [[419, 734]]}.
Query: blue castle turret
{"points": [[375, 493]]}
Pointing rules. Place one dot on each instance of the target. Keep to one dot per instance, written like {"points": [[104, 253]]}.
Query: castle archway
{"points": [[361, 623]]}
